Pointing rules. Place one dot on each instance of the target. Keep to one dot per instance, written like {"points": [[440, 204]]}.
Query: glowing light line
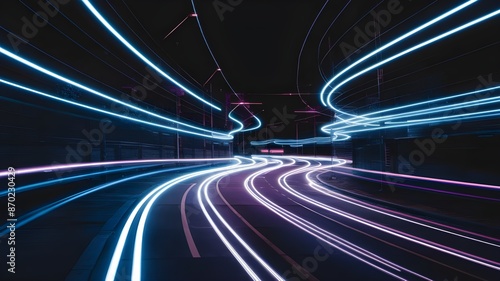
{"points": [[396, 233], [117, 253], [112, 163], [395, 41], [301, 223], [215, 135], [204, 187], [96, 13], [25, 219], [409, 50]]}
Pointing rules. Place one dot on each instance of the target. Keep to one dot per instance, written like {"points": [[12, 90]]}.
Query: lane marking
{"points": [[291, 261], [185, 225]]}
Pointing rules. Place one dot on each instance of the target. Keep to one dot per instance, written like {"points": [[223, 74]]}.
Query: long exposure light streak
{"points": [[396, 183], [393, 42], [396, 233], [259, 123], [257, 126], [213, 134], [110, 163], [408, 111], [25, 219], [312, 229], [240, 124], [397, 215], [120, 245], [111, 29], [33, 186], [409, 50], [413, 177], [88, 89], [363, 123], [203, 189]]}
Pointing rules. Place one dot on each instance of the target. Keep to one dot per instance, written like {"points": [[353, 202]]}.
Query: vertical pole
{"points": [[211, 120], [314, 135], [297, 137], [204, 139], [177, 137]]}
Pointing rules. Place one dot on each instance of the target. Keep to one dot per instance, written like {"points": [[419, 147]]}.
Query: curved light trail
{"points": [[324, 100], [402, 116], [259, 123], [213, 134], [127, 44], [356, 121], [287, 193], [203, 193], [401, 234]]}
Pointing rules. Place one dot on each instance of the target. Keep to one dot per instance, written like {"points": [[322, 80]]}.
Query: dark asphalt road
{"points": [[261, 219]]}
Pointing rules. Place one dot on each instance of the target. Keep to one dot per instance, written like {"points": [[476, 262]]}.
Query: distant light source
{"points": [[273, 151], [243, 102], [306, 111]]}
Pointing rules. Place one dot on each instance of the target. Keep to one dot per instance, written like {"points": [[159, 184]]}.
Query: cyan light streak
{"points": [[33, 215], [203, 189], [402, 116], [60, 167], [409, 50], [410, 115], [29, 187], [257, 126], [301, 142], [92, 91], [395, 41], [222, 72], [120, 245], [111, 29], [240, 129], [236, 121], [212, 134]]}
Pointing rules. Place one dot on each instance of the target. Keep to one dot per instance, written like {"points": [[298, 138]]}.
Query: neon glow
{"points": [[98, 164], [204, 187], [259, 123], [395, 41], [409, 50], [397, 233], [33, 215], [319, 233], [117, 253], [362, 123], [111, 29], [236, 121], [213, 134]]}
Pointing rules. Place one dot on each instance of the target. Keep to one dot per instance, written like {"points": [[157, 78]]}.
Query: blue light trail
{"points": [[98, 15]]}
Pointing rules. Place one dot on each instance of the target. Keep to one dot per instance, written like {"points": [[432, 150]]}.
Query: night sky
{"points": [[279, 53]]}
